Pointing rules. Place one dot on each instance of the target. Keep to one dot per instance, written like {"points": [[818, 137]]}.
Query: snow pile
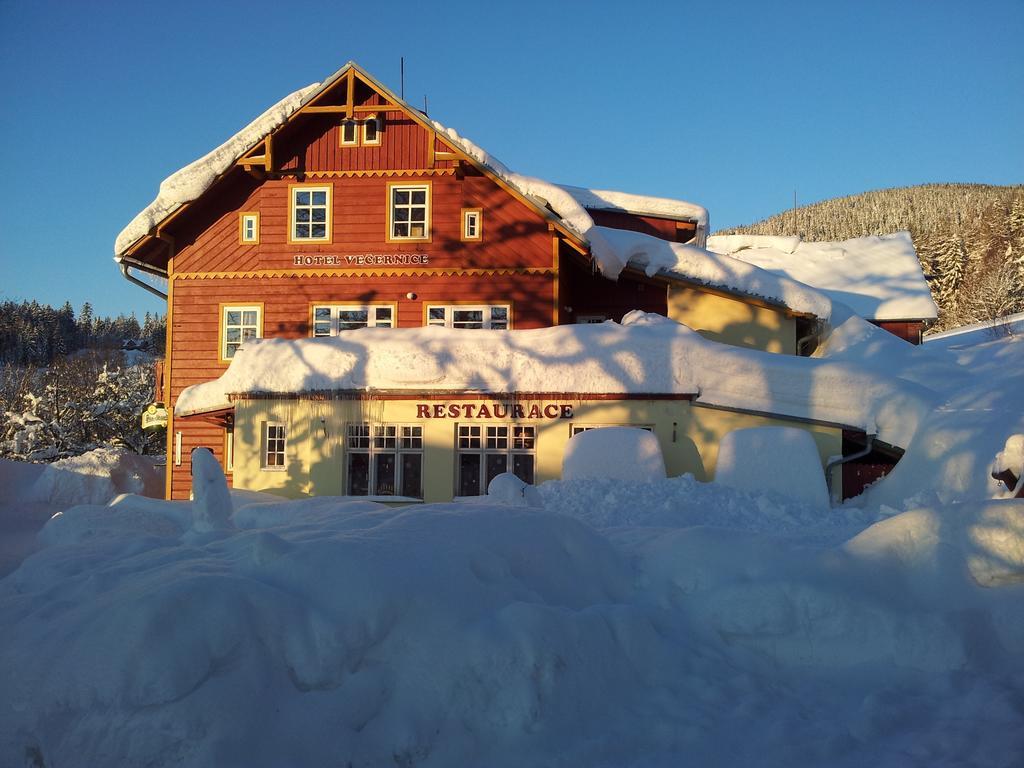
{"points": [[97, 477], [482, 634], [617, 453], [645, 354], [1009, 464], [190, 182], [879, 277], [689, 262], [211, 501], [506, 488], [782, 460]]}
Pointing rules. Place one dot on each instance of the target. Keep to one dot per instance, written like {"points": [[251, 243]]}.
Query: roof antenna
{"points": [[401, 90], [424, 103]]}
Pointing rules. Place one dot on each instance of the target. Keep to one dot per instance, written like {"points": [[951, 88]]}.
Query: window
{"points": [[384, 460], [349, 133], [273, 445], [371, 131], [310, 214], [575, 429], [408, 212], [229, 449], [495, 317], [471, 221], [238, 325], [248, 227], [487, 450], [328, 320]]}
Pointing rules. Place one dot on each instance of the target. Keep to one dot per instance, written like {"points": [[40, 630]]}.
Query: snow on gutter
{"points": [[642, 205], [646, 354], [190, 182]]}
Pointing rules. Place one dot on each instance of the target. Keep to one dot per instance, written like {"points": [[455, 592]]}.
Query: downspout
{"points": [[844, 459], [132, 279], [803, 341]]}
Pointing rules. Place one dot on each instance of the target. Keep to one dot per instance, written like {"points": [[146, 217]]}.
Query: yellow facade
{"points": [[732, 321], [689, 435]]}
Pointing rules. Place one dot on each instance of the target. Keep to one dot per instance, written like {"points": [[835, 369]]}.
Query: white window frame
{"points": [[474, 217], [393, 190], [489, 437], [373, 317], [376, 121], [383, 439], [225, 327], [488, 321], [575, 429], [244, 220], [277, 432], [354, 125], [294, 207]]}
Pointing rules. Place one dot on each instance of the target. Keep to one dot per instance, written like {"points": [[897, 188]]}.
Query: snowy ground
{"points": [[622, 623]]}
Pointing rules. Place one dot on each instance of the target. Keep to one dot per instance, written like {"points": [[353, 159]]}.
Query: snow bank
{"points": [[645, 354], [782, 460], [617, 453], [506, 488], [879, 277], [97, 477], [211, 502], [190, 182], [482, 634]]}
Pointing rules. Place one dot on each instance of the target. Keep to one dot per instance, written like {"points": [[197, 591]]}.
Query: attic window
{"points": [[471, 220], [249, 228], [349, 133], [371, 131]]}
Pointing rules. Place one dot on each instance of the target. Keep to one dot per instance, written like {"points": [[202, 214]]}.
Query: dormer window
{"points": [[349, 133], [371, 131]]}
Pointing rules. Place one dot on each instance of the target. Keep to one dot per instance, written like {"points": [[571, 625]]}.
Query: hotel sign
{"points": [[362, 260], [494, 410]]}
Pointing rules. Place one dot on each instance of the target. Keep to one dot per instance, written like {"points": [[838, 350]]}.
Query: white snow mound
{"points": [[619, 453], [781, 460]]}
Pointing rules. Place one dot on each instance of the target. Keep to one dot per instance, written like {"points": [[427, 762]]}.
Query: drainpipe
{"points": [[844, 459], [802, 341], [132, 279]]}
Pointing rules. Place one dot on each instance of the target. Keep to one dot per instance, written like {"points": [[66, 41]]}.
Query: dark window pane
{"points": [[522, 466], [301, 230], [412, 475], [419, 197], [469, 474], [401, 230], [319, 230], [496, 464], [401, 197], [320, 198], [358, 474], [320, 214], [302, 214], [385, 466], [302, 198]]}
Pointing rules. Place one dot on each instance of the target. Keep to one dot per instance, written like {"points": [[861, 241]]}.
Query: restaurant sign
{"points": [[493, 410], [361, 260]]}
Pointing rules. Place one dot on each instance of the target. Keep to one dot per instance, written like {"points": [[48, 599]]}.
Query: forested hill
{"points": [[969, 237]]}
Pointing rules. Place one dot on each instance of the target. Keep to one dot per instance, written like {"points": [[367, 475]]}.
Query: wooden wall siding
{"points": [[592, 294], [666, 229], [513, 234], [194, 434], [908, 331]]}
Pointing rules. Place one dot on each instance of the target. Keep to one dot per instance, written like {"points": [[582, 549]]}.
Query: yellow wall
{"points": [[731, 321], [689, 435]]}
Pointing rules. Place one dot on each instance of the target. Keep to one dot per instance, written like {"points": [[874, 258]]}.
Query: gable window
{"points": [[487, 450], [249, 227], [349, 133], [371, 131], [238, 325], [495, 317], [471, 221], [310, 214], [408, 211], [329, 319], [273, 445], [384, 460]]}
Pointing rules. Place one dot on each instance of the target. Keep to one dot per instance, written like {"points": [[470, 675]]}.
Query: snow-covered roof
{"points": [[691, 263], [645, 205], [879, 277], [978, 333], [646, 354]]}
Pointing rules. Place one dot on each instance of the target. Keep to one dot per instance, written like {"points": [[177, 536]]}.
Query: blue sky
{"points": [[729, 104]]}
